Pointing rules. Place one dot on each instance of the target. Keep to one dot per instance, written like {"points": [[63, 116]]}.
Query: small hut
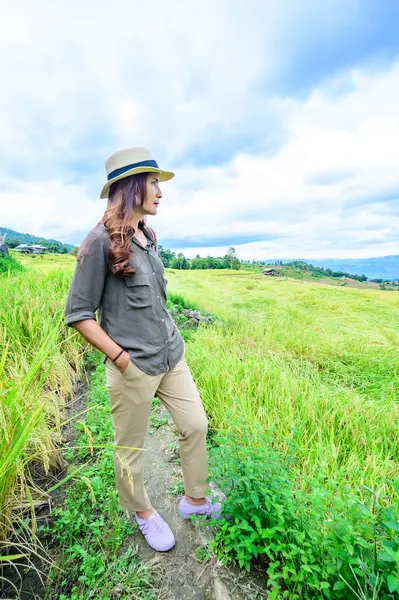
{"points": [[31, 249], [23, 248], [271, 271], [38, 249]]}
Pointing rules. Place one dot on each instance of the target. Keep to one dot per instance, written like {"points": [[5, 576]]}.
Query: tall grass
{"points": [[318, 365], [300, 383], [39, 361]]}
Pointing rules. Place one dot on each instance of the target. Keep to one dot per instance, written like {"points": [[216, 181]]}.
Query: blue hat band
{"points": [[143, 163]]}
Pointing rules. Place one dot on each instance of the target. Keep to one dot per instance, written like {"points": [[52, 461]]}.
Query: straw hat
{"points": [[130, 162]]}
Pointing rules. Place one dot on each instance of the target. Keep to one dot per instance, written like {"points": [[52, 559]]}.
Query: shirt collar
{"points": [[150, 241]]}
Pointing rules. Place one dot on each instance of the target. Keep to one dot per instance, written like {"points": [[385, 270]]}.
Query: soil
{"points": [[179, 575]]}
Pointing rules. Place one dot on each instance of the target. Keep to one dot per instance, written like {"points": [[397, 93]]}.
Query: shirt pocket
{"points": [[138, 291]]}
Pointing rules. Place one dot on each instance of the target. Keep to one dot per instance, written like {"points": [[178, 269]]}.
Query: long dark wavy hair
{"points": [[124, 195]]}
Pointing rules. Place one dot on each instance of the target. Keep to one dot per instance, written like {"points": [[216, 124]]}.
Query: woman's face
{"points": [[153, 195]]}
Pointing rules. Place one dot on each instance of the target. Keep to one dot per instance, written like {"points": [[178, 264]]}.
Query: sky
{"points": [[279, 119]]}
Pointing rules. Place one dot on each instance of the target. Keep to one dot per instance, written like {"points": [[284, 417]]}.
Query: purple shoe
{"points": [[212, 510], [157, 532]]}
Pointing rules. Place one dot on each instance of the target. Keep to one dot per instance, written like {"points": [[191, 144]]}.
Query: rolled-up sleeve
{"points": [[88, 280]]}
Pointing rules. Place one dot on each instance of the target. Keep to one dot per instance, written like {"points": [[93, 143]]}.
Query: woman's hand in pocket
{"points": [[123, 361]]}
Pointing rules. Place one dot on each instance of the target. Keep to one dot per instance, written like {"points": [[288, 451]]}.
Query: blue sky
{"points": [[280, 120]]}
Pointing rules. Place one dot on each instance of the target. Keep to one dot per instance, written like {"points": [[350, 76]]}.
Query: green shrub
{"points": [[322, 543], [8, 264], [178, 301]]}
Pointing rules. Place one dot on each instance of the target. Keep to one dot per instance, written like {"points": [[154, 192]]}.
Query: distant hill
{"points": [[14, 238], [381, 267]]}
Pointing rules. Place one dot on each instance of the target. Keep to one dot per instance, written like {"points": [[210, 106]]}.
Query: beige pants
{"points": [[131, 394]]}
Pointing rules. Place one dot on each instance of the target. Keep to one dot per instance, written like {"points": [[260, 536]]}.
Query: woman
{"points": [[119, 273]]}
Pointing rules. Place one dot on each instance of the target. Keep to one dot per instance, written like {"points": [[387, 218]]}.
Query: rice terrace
{"points": [[199, 300], [300, 380]]}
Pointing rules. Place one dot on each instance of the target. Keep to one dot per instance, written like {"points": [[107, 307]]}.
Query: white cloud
{"points": [[350, 138], [51, 209], [83, 80]]}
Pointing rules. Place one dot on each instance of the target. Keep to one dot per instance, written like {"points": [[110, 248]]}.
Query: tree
{"points": [[211, 262], [166, 256], [179, 262], [198, 262], [231, 259]]}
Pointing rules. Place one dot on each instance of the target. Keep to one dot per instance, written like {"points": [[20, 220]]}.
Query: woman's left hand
{"points": [[123, 361]]}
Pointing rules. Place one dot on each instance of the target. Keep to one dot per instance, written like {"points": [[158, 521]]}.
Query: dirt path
{"points": [[188, 571], [180, 575]]}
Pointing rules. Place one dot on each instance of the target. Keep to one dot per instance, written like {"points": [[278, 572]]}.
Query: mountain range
{"points": [[380, 267], [13, 238]]}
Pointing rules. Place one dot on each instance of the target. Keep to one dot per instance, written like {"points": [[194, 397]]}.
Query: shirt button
{"points": [[153, 272], [145, 251], [162, 320], [157, 295], [166, 341]]}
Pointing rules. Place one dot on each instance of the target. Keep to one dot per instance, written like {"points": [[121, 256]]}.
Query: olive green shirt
{"points": [[132, 309]]}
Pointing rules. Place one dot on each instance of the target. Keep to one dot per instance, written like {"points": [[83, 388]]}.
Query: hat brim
{"points": [[163, 176]]}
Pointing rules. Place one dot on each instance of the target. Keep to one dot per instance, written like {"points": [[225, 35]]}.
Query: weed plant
{"points": [[322, 543]]}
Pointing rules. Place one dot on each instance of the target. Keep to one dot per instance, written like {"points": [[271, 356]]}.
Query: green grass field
{"points": [[292, 367], [45, 263], [318, 364]]}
